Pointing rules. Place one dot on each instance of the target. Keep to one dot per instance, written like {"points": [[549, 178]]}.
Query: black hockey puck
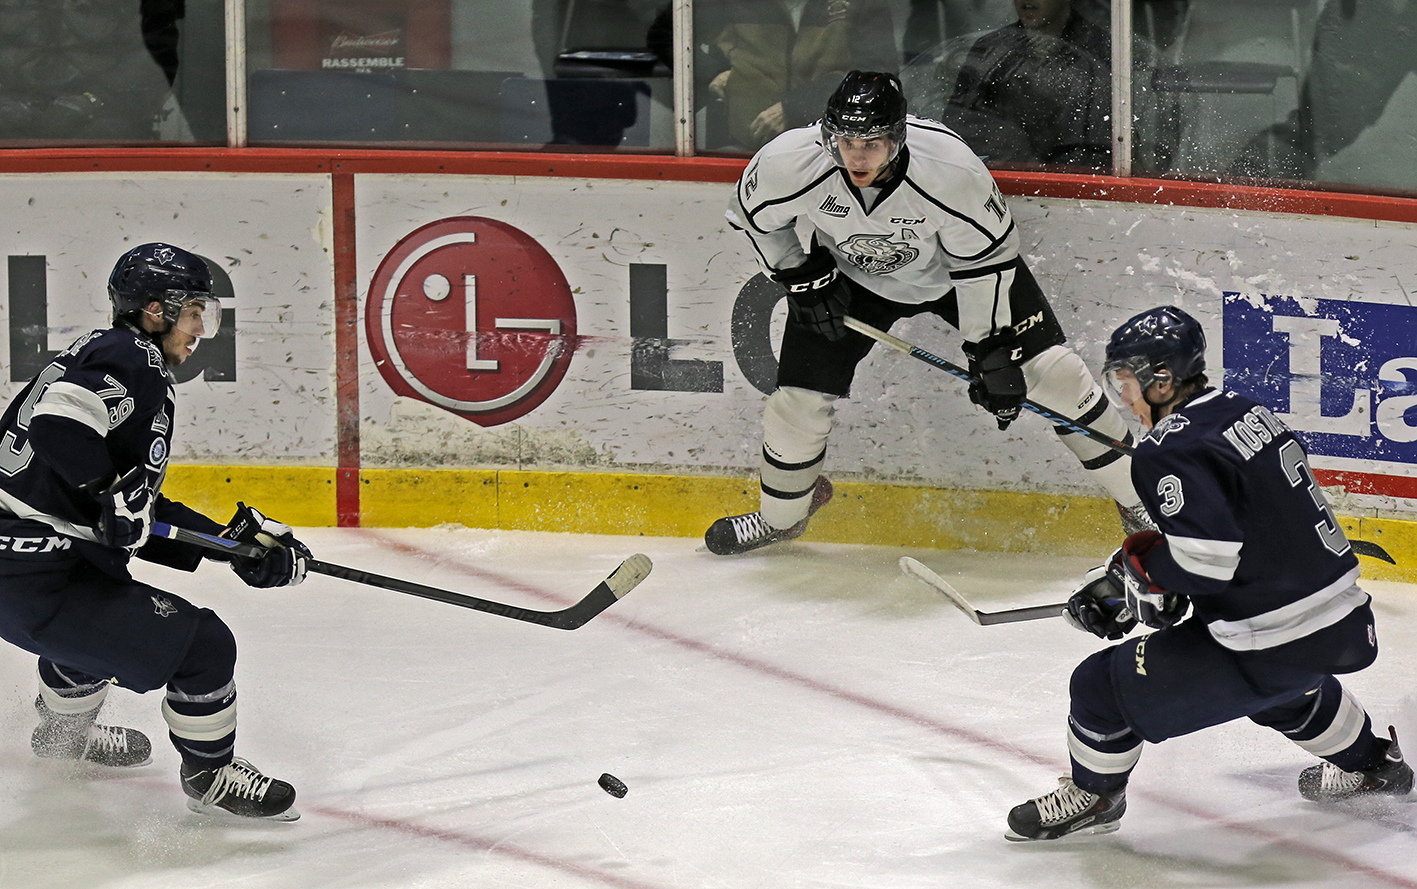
{"points": [[613, 786]]}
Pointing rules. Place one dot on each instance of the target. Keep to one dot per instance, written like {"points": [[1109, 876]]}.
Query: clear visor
{"points": [[871, 151], [1125, 379], [199, 314]]}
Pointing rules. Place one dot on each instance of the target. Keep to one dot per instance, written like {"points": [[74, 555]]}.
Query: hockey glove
{"points": [[1099, 606], [817, 297], [285, 560], [1152, 605], [996, 362], [125, 510]]}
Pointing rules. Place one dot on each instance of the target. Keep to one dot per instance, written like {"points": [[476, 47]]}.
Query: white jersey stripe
{"points": [[1216, 559], [75, 403], [1294, 621]]}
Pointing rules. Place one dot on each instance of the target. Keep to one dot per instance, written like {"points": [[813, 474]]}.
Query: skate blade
{"points": [[1096, 829], [218, 812]]}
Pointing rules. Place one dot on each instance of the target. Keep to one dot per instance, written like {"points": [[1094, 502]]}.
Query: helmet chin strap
{"points": [[157, 335]]}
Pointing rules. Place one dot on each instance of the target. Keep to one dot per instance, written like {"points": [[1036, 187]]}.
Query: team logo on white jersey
{"points": [[832, 207], [877, 254]]}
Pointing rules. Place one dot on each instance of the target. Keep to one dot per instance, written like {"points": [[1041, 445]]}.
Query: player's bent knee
{"points": [[210, 660], [1094, 699]]}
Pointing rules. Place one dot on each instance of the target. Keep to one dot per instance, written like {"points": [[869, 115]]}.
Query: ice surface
{"points": [[802, 716]]}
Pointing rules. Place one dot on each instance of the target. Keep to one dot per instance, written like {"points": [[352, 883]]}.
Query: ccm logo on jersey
{"points": [[903, 220], [33, 544]]}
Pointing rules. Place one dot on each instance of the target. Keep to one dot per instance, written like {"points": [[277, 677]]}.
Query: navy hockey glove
{"points": [[996, 362], [1099, 606], [125, 510], [285, 560], [817, 297], [1152, 605]]}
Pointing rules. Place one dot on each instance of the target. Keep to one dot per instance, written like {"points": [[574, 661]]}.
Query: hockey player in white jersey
{"points": [[905, 220]]}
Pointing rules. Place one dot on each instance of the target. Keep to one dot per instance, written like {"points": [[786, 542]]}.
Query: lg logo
{"points": [[474, 316], [471, 315]]}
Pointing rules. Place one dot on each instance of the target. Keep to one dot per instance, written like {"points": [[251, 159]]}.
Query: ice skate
{"points": [[238, 788], [740, 533], [1327, 783], [1067, 810], [80, 738]]}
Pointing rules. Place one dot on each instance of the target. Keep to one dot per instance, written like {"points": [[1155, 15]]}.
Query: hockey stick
{"points": [[1046, 413], [915, 569], [623, 579], [1360, 547]]}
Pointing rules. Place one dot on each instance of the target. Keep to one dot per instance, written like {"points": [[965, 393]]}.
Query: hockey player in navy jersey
{"points": [[1249, 547], [83, 452], [905, 220]]}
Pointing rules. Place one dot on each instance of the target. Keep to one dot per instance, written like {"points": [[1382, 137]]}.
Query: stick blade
{"points": [[914, 568], [1371, 550], [628, 576]]}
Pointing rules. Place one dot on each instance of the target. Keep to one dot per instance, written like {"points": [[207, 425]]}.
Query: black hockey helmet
{"points": [[866, 105], [175, 278], [1158, 344]]}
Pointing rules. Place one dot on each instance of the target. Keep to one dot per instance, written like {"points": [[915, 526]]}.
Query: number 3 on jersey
{"points": [[1296, 469]]}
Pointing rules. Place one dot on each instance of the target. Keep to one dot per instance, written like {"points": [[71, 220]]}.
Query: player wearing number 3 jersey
{"points": [[1249, 547]]}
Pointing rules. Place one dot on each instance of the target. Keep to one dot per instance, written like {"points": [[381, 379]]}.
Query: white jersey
{"points": [[940, 223]]}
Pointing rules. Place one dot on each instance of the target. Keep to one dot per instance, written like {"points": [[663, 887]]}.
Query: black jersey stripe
{"points": [[965, 217], [750, 214], [984, 271]]}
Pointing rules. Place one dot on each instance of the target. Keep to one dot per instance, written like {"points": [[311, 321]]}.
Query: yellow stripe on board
{"points": [[684, 506]]}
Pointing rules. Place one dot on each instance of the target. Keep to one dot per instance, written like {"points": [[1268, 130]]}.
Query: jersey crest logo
{"points": [[155, 358], [750, 182], [832, 207], [877, 254], [1170, 423], [161, 423], [163, 606]]}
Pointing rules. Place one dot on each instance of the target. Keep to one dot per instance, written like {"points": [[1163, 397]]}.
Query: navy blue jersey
{"points": [[1249, 535], [101, 407]]}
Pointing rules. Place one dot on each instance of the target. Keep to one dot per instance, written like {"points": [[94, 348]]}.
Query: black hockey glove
{"points": [[817, 297], [1099, 606], [285, 560], [996, 362], [125, 510], [1153, 606]]}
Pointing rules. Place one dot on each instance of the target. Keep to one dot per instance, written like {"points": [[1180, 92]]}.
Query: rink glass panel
{"points": [[1278, 92], [112, 72]]}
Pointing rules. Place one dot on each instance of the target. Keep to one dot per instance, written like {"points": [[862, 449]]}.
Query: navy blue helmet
{"points": [[867, 105], [174, 277], [1157, 344]]}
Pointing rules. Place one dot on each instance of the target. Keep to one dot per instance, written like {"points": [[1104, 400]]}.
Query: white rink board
{"points": [[269, 232], [1099, 263]]}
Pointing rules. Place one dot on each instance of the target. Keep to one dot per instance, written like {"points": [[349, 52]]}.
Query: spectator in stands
{"points": [[1362, 53], [1038, 90], [773, 63]]}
